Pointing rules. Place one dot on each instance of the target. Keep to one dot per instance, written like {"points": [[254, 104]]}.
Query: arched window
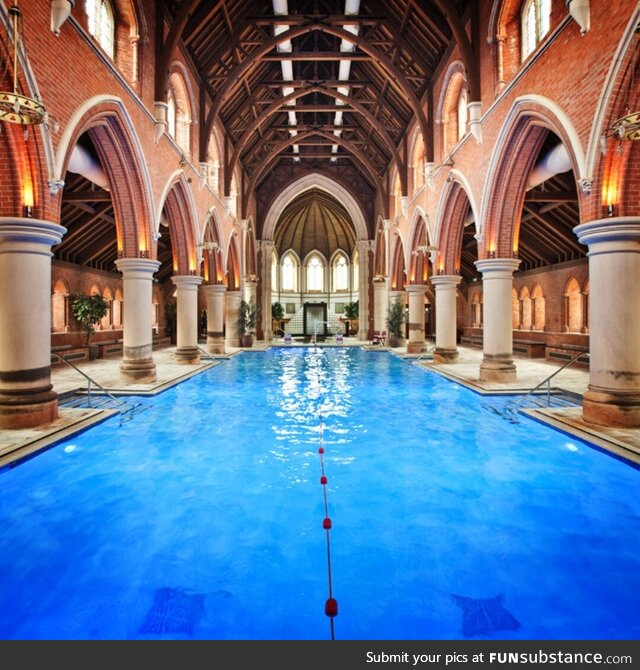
{"points": [[289, 273], [59, 311], [573, 312], [171, 114], [537, 308], [315, 273], [102, 24], [535, 24], [462, 113], [418, 164], [179, 113], [515, 310], [340, 273]]}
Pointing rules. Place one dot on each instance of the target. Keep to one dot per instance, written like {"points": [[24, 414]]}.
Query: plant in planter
{"points": [[87, 311], [277, 314], [395, 320], [247, 321], [352, 312]]}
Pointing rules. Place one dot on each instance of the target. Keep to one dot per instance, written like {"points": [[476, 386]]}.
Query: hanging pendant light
{"points": [[15, 107]]}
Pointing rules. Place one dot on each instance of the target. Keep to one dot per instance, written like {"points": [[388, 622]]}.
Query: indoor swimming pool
{"points": [[253, 498]]}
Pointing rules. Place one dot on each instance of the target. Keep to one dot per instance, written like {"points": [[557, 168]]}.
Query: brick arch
{"points": [[111, 130], [454, 209], [232, 272], [616, 173], [250, 254], [418, 262], [179, 210], [398, 267], [525, 129], [380, 255], [213, 260]]}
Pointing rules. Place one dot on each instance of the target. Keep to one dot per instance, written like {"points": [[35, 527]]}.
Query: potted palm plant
{"points": [[277, 314], [352, 312], [247, 321], [87, 311], [395, 320]]}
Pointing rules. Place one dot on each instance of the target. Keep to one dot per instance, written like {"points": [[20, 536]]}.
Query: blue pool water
{"points": [[202, 518]]}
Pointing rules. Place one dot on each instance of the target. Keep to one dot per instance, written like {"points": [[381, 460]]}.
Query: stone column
{"points": [[446, 350], [266, 247], [27, 398], [215, 317], [232, 311], [187, 318], [363, 247], [137, 358], [497, 285], [380, 305], [250, 290], [613, 396], [416, 292]]}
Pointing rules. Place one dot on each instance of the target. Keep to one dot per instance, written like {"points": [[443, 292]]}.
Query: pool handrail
{"points": [[130, 406], [547, 381]]}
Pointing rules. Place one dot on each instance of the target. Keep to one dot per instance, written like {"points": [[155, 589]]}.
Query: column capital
{"points": [[364, 245], [498, 266], [609, 235], [445, 281], [187, 281], [415, 288], [267, 245], [214, 288], [21, 235], [137, 267]]}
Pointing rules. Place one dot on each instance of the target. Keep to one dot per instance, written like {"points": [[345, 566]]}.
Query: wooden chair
{"points": [[379, 337]]}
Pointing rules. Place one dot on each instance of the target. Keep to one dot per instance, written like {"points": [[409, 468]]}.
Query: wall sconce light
{"points": [[580, 13], [27, 198], [60, 12]]}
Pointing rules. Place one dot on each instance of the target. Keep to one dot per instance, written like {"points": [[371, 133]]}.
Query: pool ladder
{"points": [[105, 400], [535, 396], [427, 353]]}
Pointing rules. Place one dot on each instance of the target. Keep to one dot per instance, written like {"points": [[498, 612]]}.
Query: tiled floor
{"points": [[15, 444]]}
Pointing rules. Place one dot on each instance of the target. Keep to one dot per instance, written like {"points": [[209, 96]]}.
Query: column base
{"points": [[606, 408], [445, 355], [415, 347], [138, 371], [215, 343], [188, 356], [28, 410], [498, 368]]}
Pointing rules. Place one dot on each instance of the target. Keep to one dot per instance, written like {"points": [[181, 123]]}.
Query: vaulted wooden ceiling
{"points": [[348, 82]]}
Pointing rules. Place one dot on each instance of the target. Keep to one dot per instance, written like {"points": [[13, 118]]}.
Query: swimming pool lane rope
{"points": [[331, 604]]}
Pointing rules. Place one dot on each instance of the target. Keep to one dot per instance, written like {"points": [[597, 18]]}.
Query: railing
{"points": [[204, 353], [425, 353], [546, 381], [130, 406]]}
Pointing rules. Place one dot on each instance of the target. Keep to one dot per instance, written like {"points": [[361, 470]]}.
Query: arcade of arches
{"points": [[320, 153]]}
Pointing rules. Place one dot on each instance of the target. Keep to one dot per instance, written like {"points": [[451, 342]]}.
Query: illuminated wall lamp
{"points": [[27, 198], [60, 12]]}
